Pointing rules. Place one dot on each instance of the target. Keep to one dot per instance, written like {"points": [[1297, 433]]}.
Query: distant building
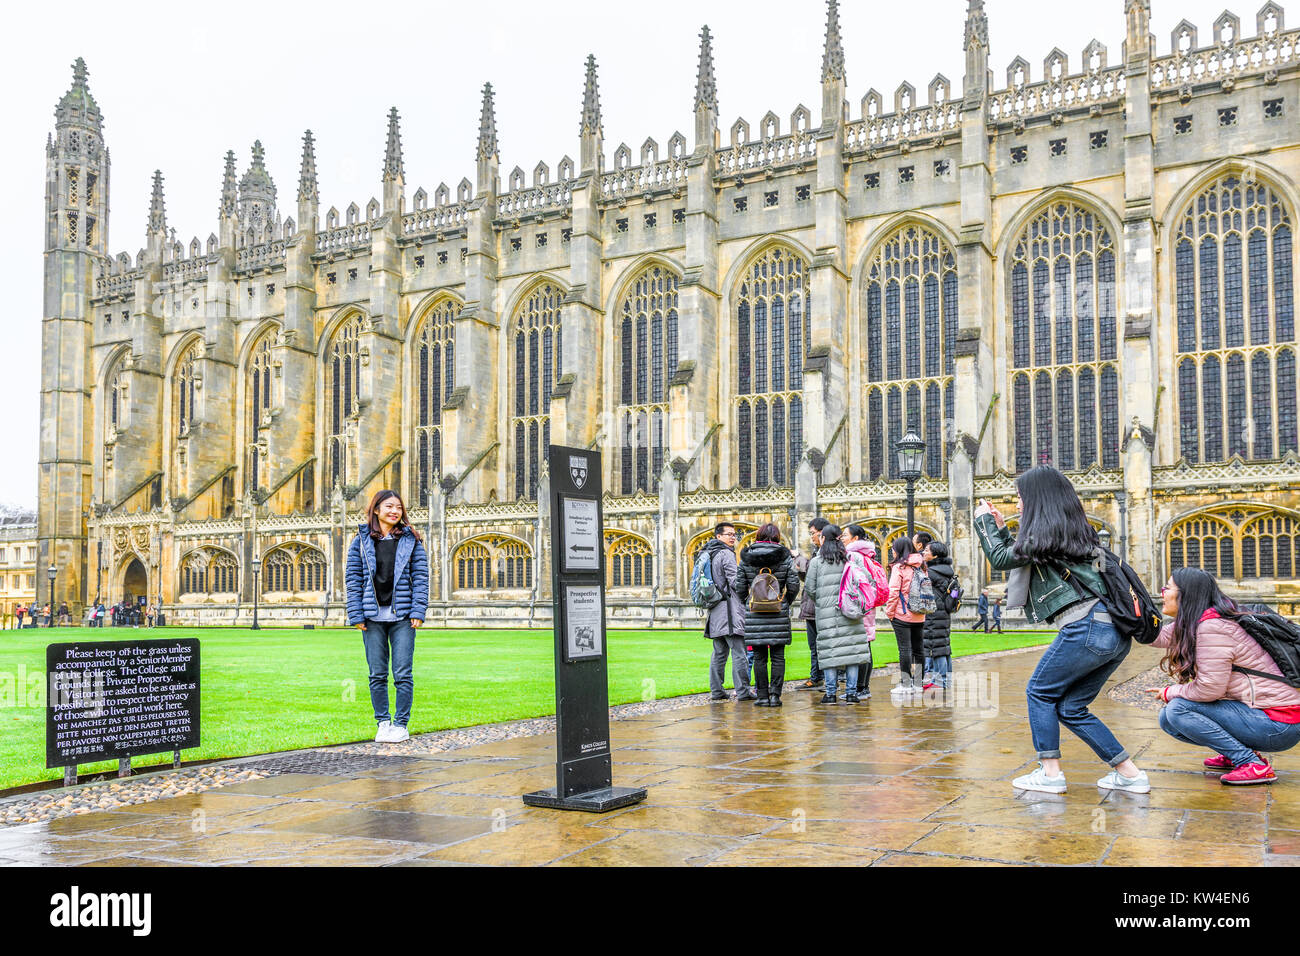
{"points": [[1089, 262], [17, 562]]}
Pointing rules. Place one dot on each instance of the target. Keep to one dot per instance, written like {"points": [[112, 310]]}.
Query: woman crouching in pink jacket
{"points": [[1239, 716]]}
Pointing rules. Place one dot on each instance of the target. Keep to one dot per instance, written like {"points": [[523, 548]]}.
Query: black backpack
{"points": [[1280, 640], [1126, 598]]}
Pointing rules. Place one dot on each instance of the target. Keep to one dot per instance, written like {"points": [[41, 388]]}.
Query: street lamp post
{"points": [[257, 569], [911, 456], [53, 573]]}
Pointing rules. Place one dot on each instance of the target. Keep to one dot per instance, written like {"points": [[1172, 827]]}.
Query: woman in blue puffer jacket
{"points": [[388, 596]]}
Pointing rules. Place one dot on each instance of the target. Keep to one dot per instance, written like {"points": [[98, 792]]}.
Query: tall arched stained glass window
{"points": [[647, 346], [1234, 282], [342, 392], [773, 316], [538, 368], [434, 366], [258, 390], [184, 389], [1061, 284], [914, 273]]}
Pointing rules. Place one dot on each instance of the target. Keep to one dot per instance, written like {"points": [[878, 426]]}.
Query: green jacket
{"points": [[1050, 590]]}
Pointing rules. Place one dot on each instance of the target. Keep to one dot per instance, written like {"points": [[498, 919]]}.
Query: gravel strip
{"points": [[1133, 690], [89, 798]]}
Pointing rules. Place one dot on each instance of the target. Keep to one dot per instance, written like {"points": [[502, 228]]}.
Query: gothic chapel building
{"points": [[1087, 260]]}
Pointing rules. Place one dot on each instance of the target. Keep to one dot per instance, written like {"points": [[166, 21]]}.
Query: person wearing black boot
{"points": [[767, 584]]}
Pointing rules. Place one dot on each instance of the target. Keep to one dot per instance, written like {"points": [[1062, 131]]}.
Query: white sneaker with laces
{"points": [[396, 734], [382, 734], [1117, 781], [1039, 781], [900, 690]]}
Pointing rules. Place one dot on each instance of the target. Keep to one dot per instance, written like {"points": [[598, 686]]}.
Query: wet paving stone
{"points": [[873, 785], [391, 825]]}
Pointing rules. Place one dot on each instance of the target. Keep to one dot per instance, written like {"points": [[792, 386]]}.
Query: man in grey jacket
{"points": [[725, 622]]}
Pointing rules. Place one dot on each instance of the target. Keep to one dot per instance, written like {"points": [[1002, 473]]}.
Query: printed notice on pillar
{"points": [[581, 535], [114, 699], [582, 620]]}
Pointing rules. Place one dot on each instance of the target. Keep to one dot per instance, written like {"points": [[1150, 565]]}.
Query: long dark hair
{"points": [[832, 550], [403, 523], [1052, 523], [1198, 592], [901, 550]]}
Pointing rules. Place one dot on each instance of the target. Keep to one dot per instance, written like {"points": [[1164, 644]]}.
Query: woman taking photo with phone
{"points": [[1055, 543], [1239, 715], [388, 596]]}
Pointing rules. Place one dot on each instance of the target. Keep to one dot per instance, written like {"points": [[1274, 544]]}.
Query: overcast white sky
{"points": [[179, 84]]}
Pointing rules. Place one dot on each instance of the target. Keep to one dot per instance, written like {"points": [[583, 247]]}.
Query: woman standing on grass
{"points": [[1055, 543], [1217, 702], [388, 596], [841, 641]]}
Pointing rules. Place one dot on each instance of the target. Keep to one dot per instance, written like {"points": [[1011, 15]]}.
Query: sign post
{"points": [[120, 699], [583, 767]]}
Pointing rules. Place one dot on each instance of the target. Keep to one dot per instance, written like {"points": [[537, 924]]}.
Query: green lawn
{"points": [[284, 689]]}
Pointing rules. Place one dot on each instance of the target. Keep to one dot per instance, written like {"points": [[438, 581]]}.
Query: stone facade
{"points": [[1060, 265], [17, 566]]}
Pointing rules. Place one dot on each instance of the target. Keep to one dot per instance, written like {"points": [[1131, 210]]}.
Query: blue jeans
{"points": [[1228, 727], [941, 668], [1068, 678], [396, 639], [850, 679]]}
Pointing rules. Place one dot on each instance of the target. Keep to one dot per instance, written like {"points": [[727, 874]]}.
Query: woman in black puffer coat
{"points": [[936, 634], [767, 632]]}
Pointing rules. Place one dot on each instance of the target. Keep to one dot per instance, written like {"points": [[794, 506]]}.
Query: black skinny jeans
{"points": [[759, 676], [910, 647]]}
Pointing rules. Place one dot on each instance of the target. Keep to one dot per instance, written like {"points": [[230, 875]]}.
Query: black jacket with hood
{"points": [[771, 628]]}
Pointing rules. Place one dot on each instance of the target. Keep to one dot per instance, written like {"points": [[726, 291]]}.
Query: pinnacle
{"points": [[591, 121], [487, 126], [833, 54], [977, 24], [157, 208], [706, 87], [307, 189], [393, 168]]}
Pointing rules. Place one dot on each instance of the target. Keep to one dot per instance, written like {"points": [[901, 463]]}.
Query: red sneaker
{"points": [[1218, 762], [1248, 774]]}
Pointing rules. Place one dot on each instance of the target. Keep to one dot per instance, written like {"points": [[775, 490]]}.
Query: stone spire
{"points": [[394, 174], [308, 192], [706, 87], [591, 100], [977, 25], [229, 187], [78, 107], [976, 45], [307, 188], [833, 52], [157, 208], [256, 193], [487, 126], [393, 169], [591, 129], [487, 153]]}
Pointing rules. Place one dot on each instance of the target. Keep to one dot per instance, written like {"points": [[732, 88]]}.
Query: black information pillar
{"points": [[583, 769]]}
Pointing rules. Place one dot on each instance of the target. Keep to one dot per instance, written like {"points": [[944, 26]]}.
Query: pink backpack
{"points": [[881, 580], [858, 590]]}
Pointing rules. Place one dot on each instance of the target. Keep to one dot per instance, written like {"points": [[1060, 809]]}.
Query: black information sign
{"points": [[114, 699], [583, 768]]}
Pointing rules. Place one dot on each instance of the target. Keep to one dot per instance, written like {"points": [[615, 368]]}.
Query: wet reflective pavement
{"points": [[730, 784]]}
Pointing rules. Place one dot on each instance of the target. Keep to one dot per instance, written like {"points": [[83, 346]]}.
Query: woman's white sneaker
{"points": [[381, 735], [1117, 781], [397, 734], [1039, 781]]}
